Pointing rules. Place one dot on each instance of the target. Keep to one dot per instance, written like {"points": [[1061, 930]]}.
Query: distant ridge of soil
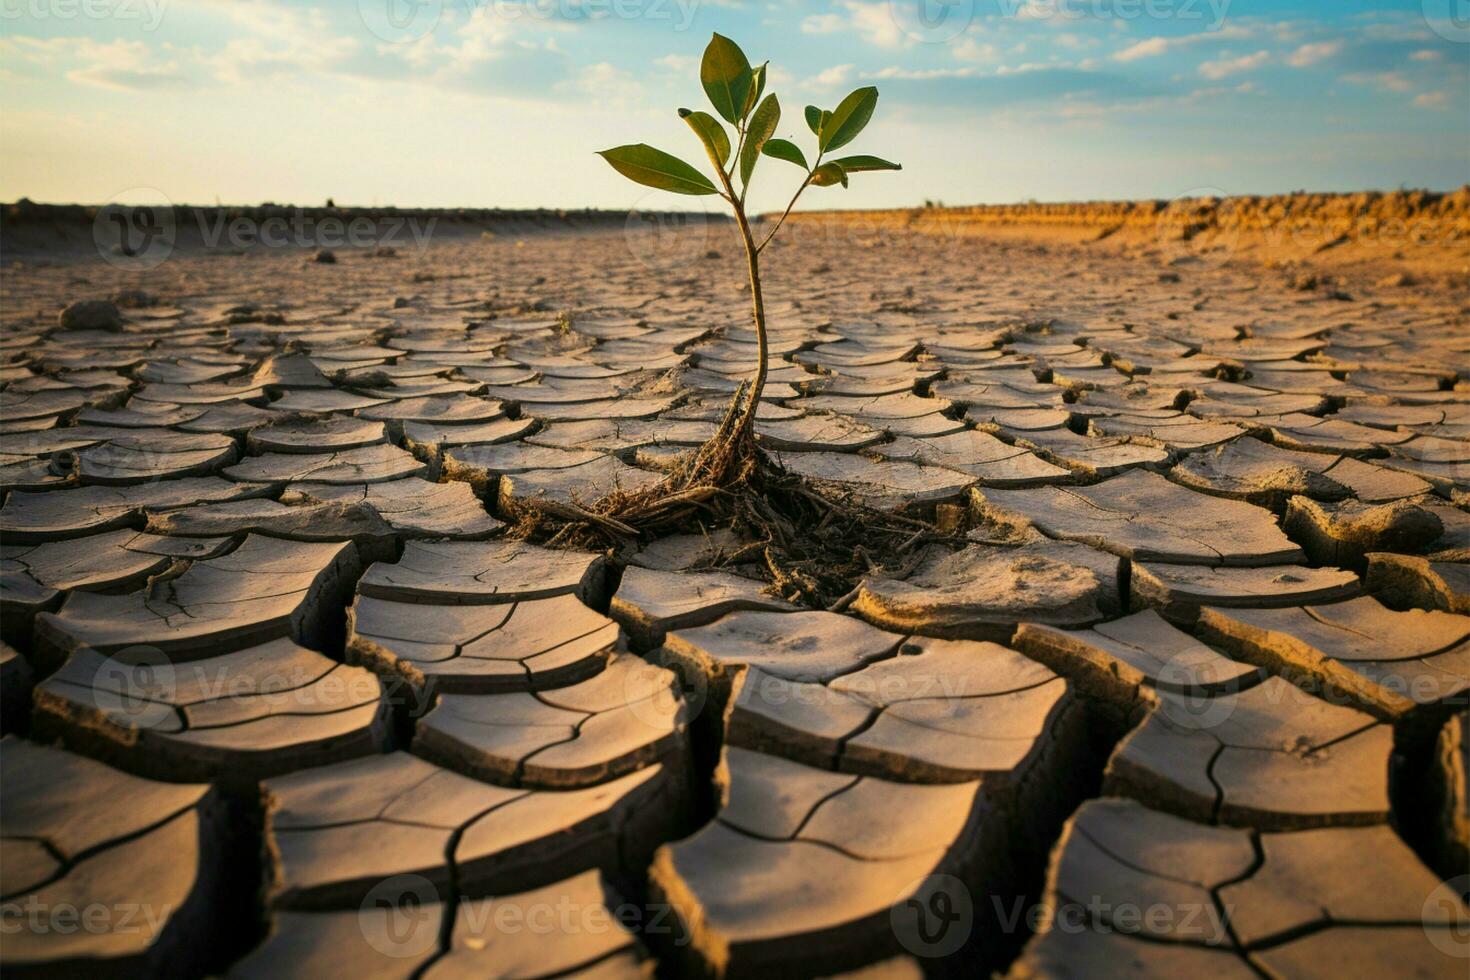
{"points": [[1423, 232]]}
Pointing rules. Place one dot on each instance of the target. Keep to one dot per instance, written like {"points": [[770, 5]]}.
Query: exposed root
{"points": [[812, 546]]}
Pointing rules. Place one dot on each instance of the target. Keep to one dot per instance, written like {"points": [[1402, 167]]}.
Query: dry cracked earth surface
{"points": [[1184, 694]]}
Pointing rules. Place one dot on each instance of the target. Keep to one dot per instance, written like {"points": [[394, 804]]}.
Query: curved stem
{"points": [[758, 314], [735, 157], [779, 221], [758, 309]]}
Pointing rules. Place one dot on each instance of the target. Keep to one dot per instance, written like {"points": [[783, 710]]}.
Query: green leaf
{"points": [[654, 168], [762, 124], [848, 119], [828, 174], [814, 120], [711, 134], [726, 76], [858, 164], [757, 88], [785, 150]]}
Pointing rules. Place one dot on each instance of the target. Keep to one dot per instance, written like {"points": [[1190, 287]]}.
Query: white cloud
{"points": [[1225, 67], [244, 58], [1143, 49], [1154, 46], [873, 22], [481, 37], [268, 19], [272, 39], [1432, 100], [34, 49], [1425, 55], [126, 66], [876, 25], [823, 24], [1311, 54], [1075, 42], [1384, 81], [1408, 29], [972, 50], [968, 71], [778, 78], [916, 74], [604, 81], [831, 77]]}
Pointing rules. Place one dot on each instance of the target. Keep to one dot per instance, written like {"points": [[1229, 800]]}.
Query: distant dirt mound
{"points": [[1421, 232]]}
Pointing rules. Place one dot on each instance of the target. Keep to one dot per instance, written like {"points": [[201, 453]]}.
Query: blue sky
{"points": [[503, 102]]}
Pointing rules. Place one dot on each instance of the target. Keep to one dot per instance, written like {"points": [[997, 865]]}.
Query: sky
{"points": [[503, 103]]}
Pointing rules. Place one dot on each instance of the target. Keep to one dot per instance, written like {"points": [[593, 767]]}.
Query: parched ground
{"points": [[1188, 697]]}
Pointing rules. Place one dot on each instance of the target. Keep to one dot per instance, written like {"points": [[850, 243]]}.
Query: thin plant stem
{"points": [[791, 204], [735, 157], [758, 310]]}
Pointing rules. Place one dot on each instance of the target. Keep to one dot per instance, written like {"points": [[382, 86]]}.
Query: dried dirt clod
{"points": [[78, 833], [1450, 789], [941, 711], [393, 940], [1143, 516], [235, 719], [1271, 757], [649, 603], [514, 645], [485, 573], [1121, 664], [90, 314], [1287, 904], [1179, 591], [266, 589], [1410, 582], [627, 717], [337, 831], [982, 591], [1411, 668], [1343, 534], [802, 867]]}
